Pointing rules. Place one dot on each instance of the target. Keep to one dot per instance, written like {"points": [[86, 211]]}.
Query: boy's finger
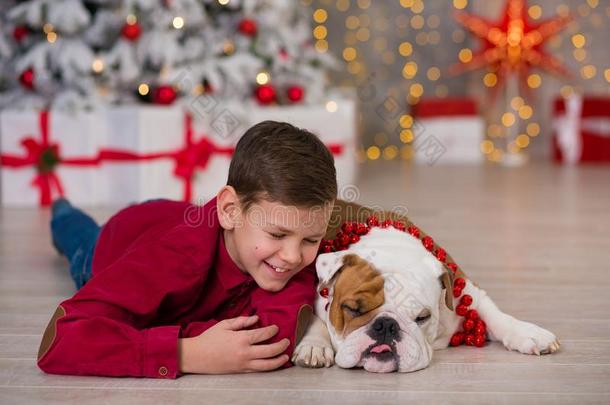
{"points": [[261, 334], [240, 322], [268, 364], [270, 350]]}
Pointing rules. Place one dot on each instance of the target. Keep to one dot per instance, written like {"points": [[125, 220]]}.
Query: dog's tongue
{"points": [[381, 348]]}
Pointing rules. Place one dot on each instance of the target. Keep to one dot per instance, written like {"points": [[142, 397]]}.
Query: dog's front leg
{"points": [[524, 337], [315, 349]]}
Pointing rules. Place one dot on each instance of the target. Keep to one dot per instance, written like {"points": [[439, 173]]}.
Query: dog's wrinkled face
{"points": [[384, 321]]}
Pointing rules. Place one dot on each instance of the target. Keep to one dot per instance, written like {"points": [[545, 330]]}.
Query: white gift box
{"points": [[447, 131], [77, 135]]}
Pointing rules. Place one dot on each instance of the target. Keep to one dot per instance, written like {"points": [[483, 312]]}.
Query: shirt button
{"points": [[163, 371]]}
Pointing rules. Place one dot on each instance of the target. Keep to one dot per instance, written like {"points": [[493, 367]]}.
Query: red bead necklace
{"points": [[474, 329]]}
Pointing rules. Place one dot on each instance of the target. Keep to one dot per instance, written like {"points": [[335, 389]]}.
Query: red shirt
{"points": [[156, 278]]}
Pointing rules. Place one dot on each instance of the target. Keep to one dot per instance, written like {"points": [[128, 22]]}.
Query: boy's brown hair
{"points": [[278, 162]]}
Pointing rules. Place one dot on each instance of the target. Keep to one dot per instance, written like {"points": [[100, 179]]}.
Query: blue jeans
{"points": [[74, 235]]}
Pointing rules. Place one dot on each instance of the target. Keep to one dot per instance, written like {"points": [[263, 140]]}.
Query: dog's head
{"points": [[383, 303]]}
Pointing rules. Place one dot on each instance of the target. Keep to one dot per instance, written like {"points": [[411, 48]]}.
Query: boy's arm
{"points": [[284, 308], [103, 329]]}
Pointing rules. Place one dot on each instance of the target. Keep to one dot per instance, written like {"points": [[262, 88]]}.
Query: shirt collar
{"points": [[229, 274]]}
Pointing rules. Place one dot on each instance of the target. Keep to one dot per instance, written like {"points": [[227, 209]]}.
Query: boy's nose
{"points": [[290, 255]]}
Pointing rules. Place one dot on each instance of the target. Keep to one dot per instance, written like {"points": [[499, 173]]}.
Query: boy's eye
{"points": [[280, 236]]}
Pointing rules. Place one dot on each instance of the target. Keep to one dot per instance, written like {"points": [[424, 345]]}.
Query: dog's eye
{"points": [[423, 318], [350, 310]]}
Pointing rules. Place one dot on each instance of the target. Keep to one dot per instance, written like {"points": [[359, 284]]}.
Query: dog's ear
{"points": [[329, 264], [446, 280]]}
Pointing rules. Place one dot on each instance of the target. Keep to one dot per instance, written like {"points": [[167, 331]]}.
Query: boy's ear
{"points": [[228, 206]]}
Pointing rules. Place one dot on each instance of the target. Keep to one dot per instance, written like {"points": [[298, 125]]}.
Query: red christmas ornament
{"points": [[295, 93], [26, 78], [265, 94], [164, 95], [20, 32], [131, 32], [247, 27]]}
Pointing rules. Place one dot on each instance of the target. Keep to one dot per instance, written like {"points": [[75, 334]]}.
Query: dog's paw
{"points": [[527, 338], [310, 355]]}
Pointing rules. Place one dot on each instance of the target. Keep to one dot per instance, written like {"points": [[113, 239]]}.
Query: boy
{"points": [[171, 288]]}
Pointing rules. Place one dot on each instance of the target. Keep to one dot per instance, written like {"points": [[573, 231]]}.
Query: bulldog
{"points": [[386, 302]]}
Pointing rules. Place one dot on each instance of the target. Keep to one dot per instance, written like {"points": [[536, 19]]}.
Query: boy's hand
{"points": [[226, 348]]}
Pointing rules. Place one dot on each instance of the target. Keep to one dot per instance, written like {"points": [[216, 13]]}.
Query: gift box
{"points": [[447, 131], [45, 155], [581, 129]]}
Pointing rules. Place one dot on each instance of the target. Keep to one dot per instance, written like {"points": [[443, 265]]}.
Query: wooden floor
{"points": [[537, 239]]}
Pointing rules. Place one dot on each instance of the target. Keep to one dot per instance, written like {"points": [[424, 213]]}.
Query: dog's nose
{"points": [[385, 328]]}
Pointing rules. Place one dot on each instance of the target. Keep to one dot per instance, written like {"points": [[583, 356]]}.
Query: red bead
{"points": [[457, 339], [469, 340], [324, 292], [479, 329], [345, 239], [461, 310], [481, 323], [466, 300], [131, 32], [468, 325], [26, 78], [247, 27], [428, 243], [414, 231], [479, 340], [372, 221], [472, 314], [453, 267], [327, 249], [265, 94], [399, 225], [295, 93], [459, 282], [386, 223], [441, 254], [164, 95], [457, 291], [354, 238], [347, 227], [339, 235]]}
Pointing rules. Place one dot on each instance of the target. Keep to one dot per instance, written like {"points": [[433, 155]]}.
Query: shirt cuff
{"points": [[160, 358]]}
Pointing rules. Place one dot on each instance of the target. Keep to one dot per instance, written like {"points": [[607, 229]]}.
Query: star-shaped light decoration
{"points": [[512, 45]]}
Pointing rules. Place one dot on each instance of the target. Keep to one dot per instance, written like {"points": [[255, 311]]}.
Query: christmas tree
{"points": [[83, 53]]}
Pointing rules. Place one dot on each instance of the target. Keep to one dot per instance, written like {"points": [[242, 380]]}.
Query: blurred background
{"points": [[114, 101]]}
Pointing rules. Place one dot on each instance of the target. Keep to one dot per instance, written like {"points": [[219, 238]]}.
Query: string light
{"points": [[535, 12], [405, 49], [534, 81], [460, 4], [331, 106], [349, 54], [579, 40], [406, 121], [131, 19], [373, 152], [320, 15], [390, 152], [178, 22], [406, 136], [143, 89], [51, 37], [465, 55], [487, 147], [97, 66], [262, 78], [508, 119], [588, 71], [409, 70], [532, 129], [490, 79]]}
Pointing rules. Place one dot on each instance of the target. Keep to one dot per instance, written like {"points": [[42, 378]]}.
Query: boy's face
{"points": [[272, 242]]}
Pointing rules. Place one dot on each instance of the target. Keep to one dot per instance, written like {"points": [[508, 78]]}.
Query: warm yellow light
{"points": [[522, 141], [407, 152], [418, 6], [390, 152], [349, 54], [535, 12], [321, 46], [494, 131], [421, 38], [97, 66], [508, 119], [490, 79], [516, 102], [409, 70], [579, 40], [131, 19], [433, 73], [262, 78], [47, 28], [405, 49], [406, 136], [588, 71], [352, 22], [465, 55], [533, 129], [363, 34], [373, 153], [178, 22], [566, 91], [228, 47], [406, 3], [534, 80], [406, 121], [364, 4], [223, 2], [416, 90], [342, 5], [354, 67], [143, 89], [331, 106], [525, 111], [320, 32], [496, 155], [579, 54], [51, 37], [320, 15], [433, 21], [417, 22], [607, 75], [460, 4], [592, 3], [487, 147]]}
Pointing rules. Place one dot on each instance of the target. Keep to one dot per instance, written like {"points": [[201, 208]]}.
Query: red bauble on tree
{"points": [[131, 32], [265, 94], [20, 32], [295, 93], [164, 95], [247, 27], [26, 78]]}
